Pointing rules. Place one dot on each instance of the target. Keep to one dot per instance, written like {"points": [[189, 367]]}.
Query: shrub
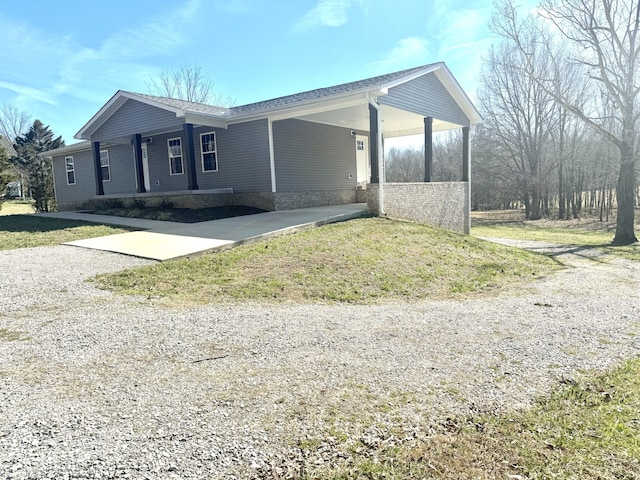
{"points": [[166, 204], [137, 204]]}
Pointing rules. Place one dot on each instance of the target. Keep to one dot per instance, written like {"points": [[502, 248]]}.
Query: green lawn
{"points": [[22, 231], [360, 261], [586, 429]]}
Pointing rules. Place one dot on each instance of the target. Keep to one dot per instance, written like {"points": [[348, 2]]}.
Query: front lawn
{"points": [[23, 231], [360, 261]]}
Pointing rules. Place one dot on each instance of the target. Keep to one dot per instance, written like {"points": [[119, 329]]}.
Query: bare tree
{"points": [[404, 165], [606, 37], [520, 112], [13, 123], [187, 82]]}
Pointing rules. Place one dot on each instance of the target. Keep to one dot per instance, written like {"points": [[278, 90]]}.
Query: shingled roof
{"points": [[321, 93], [238, 113], [288, 100]]}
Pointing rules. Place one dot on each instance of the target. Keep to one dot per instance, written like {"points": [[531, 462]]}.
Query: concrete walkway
{"points": [[169, 240]]}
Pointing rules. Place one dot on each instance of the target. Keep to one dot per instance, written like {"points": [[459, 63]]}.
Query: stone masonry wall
{"points": [[291, 200], [444, 204]]}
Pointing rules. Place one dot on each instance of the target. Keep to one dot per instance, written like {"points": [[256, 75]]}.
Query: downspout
{"points": [[381, 212]]}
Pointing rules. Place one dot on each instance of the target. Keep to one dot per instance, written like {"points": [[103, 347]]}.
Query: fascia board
{"points": [[204, 120], [74, 148]]}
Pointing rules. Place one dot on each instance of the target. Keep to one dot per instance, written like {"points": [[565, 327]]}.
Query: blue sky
{"points": [[61, 61]]}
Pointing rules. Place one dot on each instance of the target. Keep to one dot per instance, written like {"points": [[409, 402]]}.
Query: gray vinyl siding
{"points": [[135, 117], [85, 186], [122, 170], [313, 157], [426, 96], [160, 176], [242, 155]]}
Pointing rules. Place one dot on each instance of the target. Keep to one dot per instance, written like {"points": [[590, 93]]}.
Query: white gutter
{"points": [[381, 212]]}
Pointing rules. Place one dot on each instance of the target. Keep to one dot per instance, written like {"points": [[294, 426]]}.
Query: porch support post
{"points": [[97, 168], [137, 152], [373, 143], [428, 148], [189, 153], [466, 163]]}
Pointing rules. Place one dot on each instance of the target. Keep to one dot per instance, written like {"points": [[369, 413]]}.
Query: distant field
{"points": [[15, 207]]}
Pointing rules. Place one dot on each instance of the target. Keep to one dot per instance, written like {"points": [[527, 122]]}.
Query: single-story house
{"points": [[316, 148]]}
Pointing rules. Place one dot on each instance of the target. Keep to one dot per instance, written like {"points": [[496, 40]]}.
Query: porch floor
{"points": [[168, 240]]}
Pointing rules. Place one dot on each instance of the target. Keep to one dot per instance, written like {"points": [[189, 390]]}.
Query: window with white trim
{"points": [[209, 152], [71, 170], [104, 165], [175, 156]]}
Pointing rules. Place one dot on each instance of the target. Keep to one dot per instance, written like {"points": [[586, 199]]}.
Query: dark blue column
{"points": [[428, 148], [189, 153], [373, 143], [137, 149], [97, 168]]}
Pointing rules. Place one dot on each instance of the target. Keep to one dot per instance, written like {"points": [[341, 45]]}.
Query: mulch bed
{"points": [[181, 215]]}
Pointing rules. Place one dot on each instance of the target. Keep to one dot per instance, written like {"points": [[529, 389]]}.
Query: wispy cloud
{"points": [[409, 51], [40, 67], [327, 13], [237, 7]]}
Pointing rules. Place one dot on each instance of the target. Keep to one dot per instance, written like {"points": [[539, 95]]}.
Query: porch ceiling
{"points": [[395, 122]]}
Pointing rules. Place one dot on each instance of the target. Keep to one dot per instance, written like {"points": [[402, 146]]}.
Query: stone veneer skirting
{"points": [[444, 204], [225, 197]]}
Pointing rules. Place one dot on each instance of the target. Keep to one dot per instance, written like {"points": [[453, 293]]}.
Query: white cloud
{"points": [[327, 13], [25, 91], [408, 52], [40, 67]]}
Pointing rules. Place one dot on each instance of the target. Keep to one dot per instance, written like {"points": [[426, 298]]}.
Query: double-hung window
{"points": [[104, 165], [175, 156], [71, 170], [209, 152]]}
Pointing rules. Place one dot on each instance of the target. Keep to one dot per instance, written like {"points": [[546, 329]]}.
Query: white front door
{"points": [[362, 159], [145, 167]]}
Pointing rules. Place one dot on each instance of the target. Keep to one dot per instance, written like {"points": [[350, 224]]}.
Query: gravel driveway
{"points": [[95, 385]]}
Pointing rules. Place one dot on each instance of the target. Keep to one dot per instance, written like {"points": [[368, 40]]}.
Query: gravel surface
{"points": [[95, 385]]}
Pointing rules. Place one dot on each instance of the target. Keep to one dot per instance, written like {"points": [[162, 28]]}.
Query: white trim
{"points": [[215, 152], [172, 156], [431, 68], [73, 169], [272, 156], [108, 165]]}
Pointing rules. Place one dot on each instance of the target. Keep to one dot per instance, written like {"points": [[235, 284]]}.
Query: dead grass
{"points": [[16, 207], [360, 261], [584, 429]]}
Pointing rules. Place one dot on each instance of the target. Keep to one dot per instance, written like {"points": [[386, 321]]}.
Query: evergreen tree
{"points": [[39, 169]]}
